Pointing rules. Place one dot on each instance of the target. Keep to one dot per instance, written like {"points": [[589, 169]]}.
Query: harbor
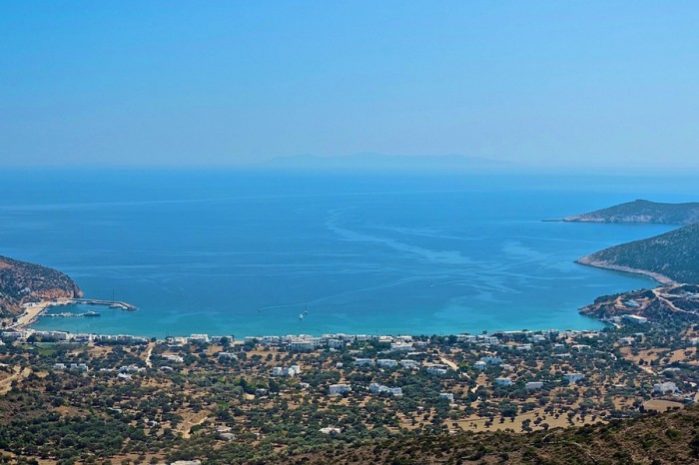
{"points": [[34, 310], [105, 303]]}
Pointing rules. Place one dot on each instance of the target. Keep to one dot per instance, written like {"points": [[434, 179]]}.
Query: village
{"points": [[281, 393]]}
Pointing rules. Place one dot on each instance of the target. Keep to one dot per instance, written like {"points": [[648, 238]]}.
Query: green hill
{"points": [[642, 211], [674, 255]]}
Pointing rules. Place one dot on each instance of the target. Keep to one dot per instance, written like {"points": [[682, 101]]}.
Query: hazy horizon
{"points": [[454, 86]]}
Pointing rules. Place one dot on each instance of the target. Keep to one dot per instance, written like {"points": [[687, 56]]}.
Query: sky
{"points": [[577, 85]]}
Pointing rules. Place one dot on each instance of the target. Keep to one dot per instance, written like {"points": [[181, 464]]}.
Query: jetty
{"points": [[72, 315], [105, 303]]}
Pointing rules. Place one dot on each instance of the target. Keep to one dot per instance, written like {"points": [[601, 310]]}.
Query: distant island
{"points": [[22, 283], [642, 211]]}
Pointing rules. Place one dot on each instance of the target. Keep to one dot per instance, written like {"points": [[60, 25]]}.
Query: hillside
{"points": [[642, 211], [22, 282], [663, 439], [665, 303], [669, 257]]}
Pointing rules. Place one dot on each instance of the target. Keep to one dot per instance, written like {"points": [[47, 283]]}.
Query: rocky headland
{"points": [[642, 211], [22, 282]]}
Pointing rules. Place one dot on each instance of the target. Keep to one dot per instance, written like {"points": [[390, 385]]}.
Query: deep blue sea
{"points": [[245, 253]]}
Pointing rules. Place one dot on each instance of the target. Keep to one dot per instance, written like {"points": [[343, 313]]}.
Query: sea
{"points": [[253, 252]]}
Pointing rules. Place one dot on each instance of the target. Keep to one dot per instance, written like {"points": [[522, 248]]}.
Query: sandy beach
{"points": [[31, 313]]}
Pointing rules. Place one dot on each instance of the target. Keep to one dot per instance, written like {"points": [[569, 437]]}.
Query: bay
{"points": [[256, 253]]}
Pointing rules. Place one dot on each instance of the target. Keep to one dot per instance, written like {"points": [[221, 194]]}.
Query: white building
{"points": [[79, 367], [466, 338], [387, 363], [173, 358], [491, 360], [330, 430], [401, 346], [668, 387], [364, 362], [339, 389], [83, 337], [335, 343], [131, 369], [199, 338], [227, 356], [436, 369], [302, 344], [480, 365], [636, 319], [376, 388], [11, 335], [573, 378], [446, 396], [290, 372], [503, 381], [270, 340], [409, 364], [533, 385]]}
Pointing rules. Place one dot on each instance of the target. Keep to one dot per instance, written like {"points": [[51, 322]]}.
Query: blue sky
{"points": [[561, 85]]}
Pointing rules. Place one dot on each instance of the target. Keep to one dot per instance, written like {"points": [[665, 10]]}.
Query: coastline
{"points": [[601, 264], [34, 311]]}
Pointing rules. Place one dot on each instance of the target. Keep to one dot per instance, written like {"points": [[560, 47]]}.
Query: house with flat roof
{"points": [[503, 381], [339, 389], [573, 378], [533, 385], [668, 387]]}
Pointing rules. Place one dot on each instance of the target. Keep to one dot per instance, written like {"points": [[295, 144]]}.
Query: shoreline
{"points": [[32, 313], [601, 264]]}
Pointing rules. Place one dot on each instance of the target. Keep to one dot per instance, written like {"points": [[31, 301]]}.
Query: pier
{"points": [[106, 303]]}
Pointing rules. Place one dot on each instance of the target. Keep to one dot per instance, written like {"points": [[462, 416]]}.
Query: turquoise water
{"points": [[246, 253]]}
